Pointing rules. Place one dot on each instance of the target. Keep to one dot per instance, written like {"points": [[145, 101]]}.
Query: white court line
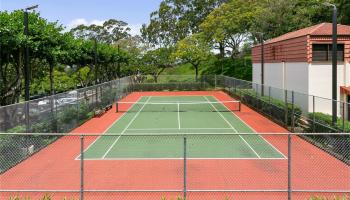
{"points": [[233, 128], [162, 129], [244, 158], [178, 115], [110, 126], [253, 129], [127, 126]]}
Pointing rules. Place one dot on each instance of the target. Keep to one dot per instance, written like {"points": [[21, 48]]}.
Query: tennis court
{"points": [[162, 145], [154, 127]]}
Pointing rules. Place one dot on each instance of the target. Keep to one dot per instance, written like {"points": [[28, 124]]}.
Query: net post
{"points": [[289, 166], [116, 107], [239, 106], [81, 167], [185, 168]]}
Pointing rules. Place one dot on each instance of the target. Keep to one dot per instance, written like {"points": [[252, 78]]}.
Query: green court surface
{"points": [[155, 128]]}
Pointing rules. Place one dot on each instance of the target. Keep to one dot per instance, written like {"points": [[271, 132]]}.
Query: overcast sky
{"points": [[73, 12]]}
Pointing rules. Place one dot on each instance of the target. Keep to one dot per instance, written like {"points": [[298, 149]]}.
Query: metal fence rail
{"points": [[193, 166]]}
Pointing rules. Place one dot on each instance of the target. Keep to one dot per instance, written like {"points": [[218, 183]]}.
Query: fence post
{"points": [[82, 167], [289, 166], [343, 117], [215, 81], [286, 109], [270, 101], [256, 96], [293, 112], [313, 114], [26, 111], [185, 167]]}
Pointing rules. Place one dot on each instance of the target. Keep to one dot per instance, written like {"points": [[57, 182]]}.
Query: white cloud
{"points": [[135, 28], [76, 22]]}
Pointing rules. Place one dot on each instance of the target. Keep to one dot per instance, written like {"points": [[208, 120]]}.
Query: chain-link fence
{"points": [[200, 166], [62, 112], [297, 111]]}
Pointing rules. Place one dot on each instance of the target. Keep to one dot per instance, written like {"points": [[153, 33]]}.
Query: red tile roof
{"points": [[345, 90], [324, 29]]}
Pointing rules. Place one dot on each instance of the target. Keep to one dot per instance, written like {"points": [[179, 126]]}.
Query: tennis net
{"points": [[194, 106]]}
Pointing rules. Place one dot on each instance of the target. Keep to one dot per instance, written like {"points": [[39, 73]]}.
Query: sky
{"points": [[71, 13]]}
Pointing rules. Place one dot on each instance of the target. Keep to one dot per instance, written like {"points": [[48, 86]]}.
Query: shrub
{"points": [[323, 124], [272, 107], [345, 197], [168, 86]]}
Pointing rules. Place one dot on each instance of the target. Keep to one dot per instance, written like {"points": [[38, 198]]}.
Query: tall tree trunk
{"points": [[196, 68], [222, 50]]}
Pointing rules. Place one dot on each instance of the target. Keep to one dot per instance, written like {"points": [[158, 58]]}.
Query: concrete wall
{"points": [[304, 78], [320, 81]]}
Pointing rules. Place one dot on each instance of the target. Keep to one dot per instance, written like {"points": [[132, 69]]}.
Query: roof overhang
{"points": [[345, 90]]}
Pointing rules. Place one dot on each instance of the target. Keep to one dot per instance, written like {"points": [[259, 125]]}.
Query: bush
{"points": [[323, 124], [345, 197], [271, 107], [168, 86]]}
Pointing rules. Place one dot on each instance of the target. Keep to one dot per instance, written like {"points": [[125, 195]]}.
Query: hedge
{"points": [[190, 86], [323, 124], [272, 107]]}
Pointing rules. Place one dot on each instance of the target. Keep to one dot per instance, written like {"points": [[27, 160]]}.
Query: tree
{"points": [[110, 32], [194, 50], [154, 62], [174, 20], [229, 25]]}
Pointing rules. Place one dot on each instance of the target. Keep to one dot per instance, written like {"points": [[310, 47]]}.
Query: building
{"points": [[301, 61]]}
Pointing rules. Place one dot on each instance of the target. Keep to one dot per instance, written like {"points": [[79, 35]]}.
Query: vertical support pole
{"points": [[116, 107], [256, 96], [82, 167], [293, 112], [334, 66], [270, 101], [343, 117], [286, 107], [185, 168], [234, 86], [215, 81], [78, 109], [96, 71], [313, 114], [262, 64], [289, 166]]}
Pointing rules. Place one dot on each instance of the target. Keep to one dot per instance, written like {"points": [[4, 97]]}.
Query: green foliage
{"points": [[230, 24], [193, 50], [324, 124], [344, 197], [274, 108], [154, 62], [175, 20], [46, 197], [51, 50], [239, 68], [189, 86]]}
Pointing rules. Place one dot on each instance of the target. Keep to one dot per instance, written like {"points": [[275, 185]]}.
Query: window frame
{"points": [[328, 53]]}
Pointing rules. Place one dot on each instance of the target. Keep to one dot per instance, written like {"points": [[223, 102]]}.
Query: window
{"points": [[323, 52]]}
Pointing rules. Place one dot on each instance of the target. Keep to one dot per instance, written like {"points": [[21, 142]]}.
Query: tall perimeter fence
{"points": [[315, 161]]}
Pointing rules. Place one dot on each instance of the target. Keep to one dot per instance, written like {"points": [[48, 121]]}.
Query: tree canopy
{"points": [[212, 36]]}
